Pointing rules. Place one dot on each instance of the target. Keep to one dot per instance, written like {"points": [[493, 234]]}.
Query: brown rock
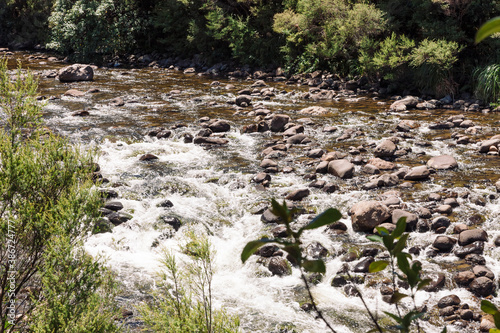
{"points": [[366, 215], [341, 168]]}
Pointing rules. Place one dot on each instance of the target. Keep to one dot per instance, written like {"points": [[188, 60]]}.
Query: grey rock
{"points": [[341, 168], [76, 72], [442, 162], [467, 237]]}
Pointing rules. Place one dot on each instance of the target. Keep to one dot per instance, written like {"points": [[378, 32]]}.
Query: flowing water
{"points": [[211, 188]]}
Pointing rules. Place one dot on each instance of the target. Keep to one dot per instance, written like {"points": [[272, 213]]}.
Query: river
{"points": [[212, 191]]}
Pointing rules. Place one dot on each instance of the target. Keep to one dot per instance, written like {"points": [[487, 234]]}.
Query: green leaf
{"points": [[424, 283], [494, 330], [388, 242], [294, 251], [382, 231], [400, 227], [445, 330], [400, 245], [281, 211], [488, 307], [403, 263], [253, 246], [315, 266], [375, 238], [328, 216], [393, 316], [488, 29], [396, 297], [496, 317], [377, 266]]}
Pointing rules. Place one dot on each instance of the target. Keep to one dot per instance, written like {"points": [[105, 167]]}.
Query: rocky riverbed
{"points": [[180, 148]]}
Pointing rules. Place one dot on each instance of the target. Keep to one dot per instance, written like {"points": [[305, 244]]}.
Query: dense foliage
{"points": [[48, 283], [427, 46]]}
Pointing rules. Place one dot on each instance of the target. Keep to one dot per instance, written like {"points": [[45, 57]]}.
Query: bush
{"points": [[329, 32], [91, 29], [183, 301], [47, 208], [487, 83]]}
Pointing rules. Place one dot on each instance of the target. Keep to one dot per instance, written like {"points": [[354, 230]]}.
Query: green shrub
{"points": [[433, 61], [91, 29], [24, 22], [487, 83], [183, 301], [47, 208], [327, 31]]}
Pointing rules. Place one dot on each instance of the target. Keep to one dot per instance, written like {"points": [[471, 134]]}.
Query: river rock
{"points": [[363, 265], [298, 195], [330, 187], [243, 100], [404, 104], [76, 72], [480, 270], [219, 126], [411, 219], [385, 149], [485, 146], [440, 222], [450, 300], [381, 164], [474, 248], [482, 286], [173, 221], [444, 243], [279, 266], [316, 250], [148, 157], [315, 153], [74, 93], [418, 173], [497, 186], [269, 217], [261, 177], [438, 281], [366, 215], [442, 162], [118, 218], [470, 236], [300, 138], [278, 122], [268, 163], [267, 251], [114, 206], [444, 209], [464, 278], [314, 110], [370, 169], [210, 141], [341, 168], [322, 167]]}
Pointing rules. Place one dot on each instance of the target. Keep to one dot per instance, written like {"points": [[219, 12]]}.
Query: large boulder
{"points": [[341, 168], [278, 122], [385, 149], [404, 104], [442, 162], [418, 173], [366, 215], [76, 72]]}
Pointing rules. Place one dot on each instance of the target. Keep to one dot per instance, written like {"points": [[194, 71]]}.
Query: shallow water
{"points": [[211, 188]]}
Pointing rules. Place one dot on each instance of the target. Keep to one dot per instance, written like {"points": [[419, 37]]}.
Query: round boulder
{"points": [[443, 162], [76, 72], [366, 215], [341, 168]]}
